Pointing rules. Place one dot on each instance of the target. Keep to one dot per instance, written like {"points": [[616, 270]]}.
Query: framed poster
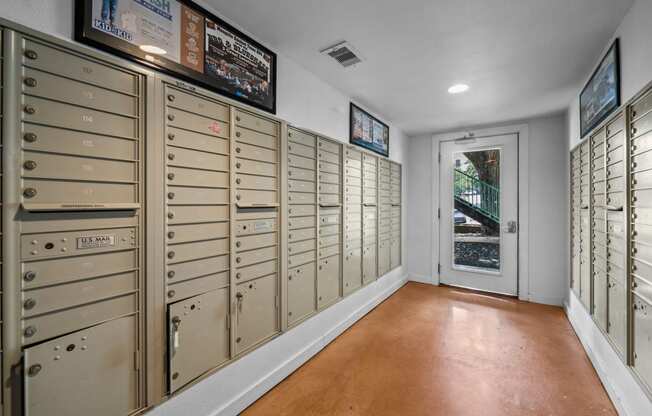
{"points": [[601, 95], [184, 40], [368, 132]]}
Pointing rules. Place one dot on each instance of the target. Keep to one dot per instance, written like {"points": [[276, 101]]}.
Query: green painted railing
{"points": [[477, 194]]}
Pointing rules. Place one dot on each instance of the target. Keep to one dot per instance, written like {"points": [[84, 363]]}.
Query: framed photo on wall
{"points": [[184, 40], [368, 132], [601, 95]]}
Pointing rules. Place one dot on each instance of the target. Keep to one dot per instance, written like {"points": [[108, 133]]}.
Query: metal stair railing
{"points": [[478, 195]]}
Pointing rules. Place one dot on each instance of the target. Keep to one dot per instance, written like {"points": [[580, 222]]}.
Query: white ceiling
{"points": [[522, 58]]}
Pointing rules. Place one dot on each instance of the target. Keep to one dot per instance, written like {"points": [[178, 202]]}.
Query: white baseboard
{"points": [[546, 300], [238, 385], [626, 394], [420, 278]]}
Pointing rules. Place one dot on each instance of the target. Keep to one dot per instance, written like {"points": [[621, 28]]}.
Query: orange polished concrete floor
{"points": [[442, 351]]}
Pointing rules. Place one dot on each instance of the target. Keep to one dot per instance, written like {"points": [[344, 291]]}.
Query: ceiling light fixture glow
{"points": [[458, 89], [155, 50]]}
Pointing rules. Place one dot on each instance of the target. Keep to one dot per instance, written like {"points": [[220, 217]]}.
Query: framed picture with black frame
{"points": [[601, 95], [184, 40], [367, 131]]}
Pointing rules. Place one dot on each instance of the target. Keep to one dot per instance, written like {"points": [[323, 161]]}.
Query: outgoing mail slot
{"points": [[255, 138], [301, 247], [256, 256], [52, 166], [38, 110], [197, 268], [332, 178], [256, 123], [302, 210], [301, 259], [329, 157], [369, 263], [179, 195], [329, 251], [257, 317], [196, 159], [197, 178], [256, 241], [301, 186], [196, 232], [301, 198], [329, 230], [196, 123], [66, 90], [41, 273], [301, 292], [302, 222], [329, 199], [642, 318], [75, 67], [642, 198], [329, 240], [301, 162], [253, 198], [301, 174], [329, 167], [56, 140], [256, 182], [197, 141], [298, 136], [328, 281], [253, 167], [47, 326], [70, 195], [352, 277], [304, 234], [53, 298], [259, 226], [329, 146], [301, 150], [250, 152], [245, 274], [326, 188], [65, 244], [62, 383], [196, 104], [180, 253], [188, 288]]}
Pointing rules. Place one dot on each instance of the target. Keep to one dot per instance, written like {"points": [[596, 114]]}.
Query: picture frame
{"points": [[184, 40], [601, 94], [368, 131]]}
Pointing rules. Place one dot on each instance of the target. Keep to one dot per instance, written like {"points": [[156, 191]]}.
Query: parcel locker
{"points": [[384, 257], [642, 327], [369, 264], [352, 276], [256, 312], [302, 291], [198, 331], [328, 281]]}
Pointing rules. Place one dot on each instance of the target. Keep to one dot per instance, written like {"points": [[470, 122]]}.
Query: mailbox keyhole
{"points": [[49, 246], [70, 347], [192, 307]]}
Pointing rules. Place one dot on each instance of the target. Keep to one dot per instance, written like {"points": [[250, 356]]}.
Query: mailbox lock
{"points": [[171, 294], [29, 165], [30, 82], [238, 165], [238, 150], [237, 197], [29, 276], [170, 195], [170, 97], [171, 136], [171, 255], [171, 274], [29, 304], [238, 339], [171, 117], [170, 215], [171, 156], [237, 118], [29, 193], [238, 243], [175, 375], [238, 181], [30, 331], [29, 137], [171, 234], [34, 370], [238, 260], [171, 176], [29, 109], [238, 275], [238, 134], [31, 54]]}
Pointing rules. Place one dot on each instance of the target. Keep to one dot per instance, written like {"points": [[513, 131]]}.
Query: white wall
{"points": [[548, 259], [635, 33], [305, 101]]}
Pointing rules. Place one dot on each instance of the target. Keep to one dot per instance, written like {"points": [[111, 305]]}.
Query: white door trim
{"points": [[523, 132]]}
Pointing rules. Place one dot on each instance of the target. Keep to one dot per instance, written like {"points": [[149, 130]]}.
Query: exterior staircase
{"points": [[477, 199]]}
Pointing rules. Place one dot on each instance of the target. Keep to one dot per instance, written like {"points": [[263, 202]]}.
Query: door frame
{"points": [[523, 132]]}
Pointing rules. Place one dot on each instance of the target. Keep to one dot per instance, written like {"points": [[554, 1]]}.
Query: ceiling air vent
{"points": [[343, 53]]}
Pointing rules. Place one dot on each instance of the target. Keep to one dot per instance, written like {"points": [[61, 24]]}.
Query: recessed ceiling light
{"points": [[153, 49], [458, 89]]}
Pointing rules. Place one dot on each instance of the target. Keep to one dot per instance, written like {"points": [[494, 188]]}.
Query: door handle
{"points": [[512, 227]]}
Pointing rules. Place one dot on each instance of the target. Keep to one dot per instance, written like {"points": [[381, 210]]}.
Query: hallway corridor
{"points": [[445, 351]]}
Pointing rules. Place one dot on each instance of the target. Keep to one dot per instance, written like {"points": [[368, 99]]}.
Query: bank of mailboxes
{"points": [[611, 184], [89, 331]]}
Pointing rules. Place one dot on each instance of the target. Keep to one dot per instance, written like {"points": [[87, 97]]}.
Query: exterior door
{"points": [[478, 199]]}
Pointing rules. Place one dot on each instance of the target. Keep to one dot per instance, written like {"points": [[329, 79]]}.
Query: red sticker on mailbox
{"points": [[215, 127]]}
